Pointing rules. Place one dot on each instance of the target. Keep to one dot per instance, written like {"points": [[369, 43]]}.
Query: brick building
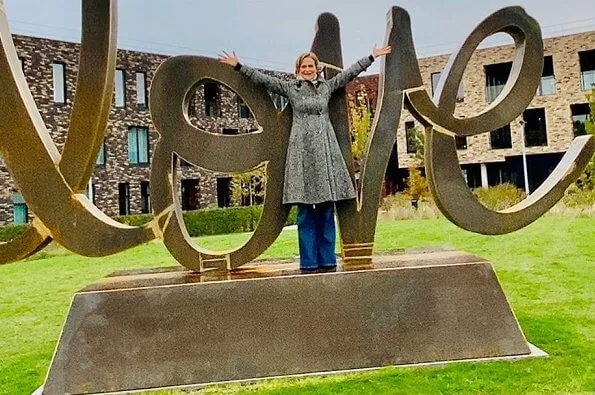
{"points": [[555, 116], [120, 183]]}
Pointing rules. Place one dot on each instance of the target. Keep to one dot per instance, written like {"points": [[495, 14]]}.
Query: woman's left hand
{"points": [[377, 52]]}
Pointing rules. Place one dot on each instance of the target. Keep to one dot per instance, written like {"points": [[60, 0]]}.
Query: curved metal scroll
{"points": [[518, 92], [59, 179], [447, 184], [170, 90], [461, 207]]}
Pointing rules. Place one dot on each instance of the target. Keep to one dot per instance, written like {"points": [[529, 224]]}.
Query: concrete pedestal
{"points": [[169, 327]]}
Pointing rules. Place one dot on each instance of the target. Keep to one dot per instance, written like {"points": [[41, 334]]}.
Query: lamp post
{"points": [[524, 153]]}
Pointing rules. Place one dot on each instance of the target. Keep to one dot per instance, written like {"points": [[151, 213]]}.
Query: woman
{"points": [[316, 175]]}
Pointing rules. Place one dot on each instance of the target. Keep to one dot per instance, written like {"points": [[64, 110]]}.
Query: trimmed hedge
{"points": [[8, 233], [213, 221]]}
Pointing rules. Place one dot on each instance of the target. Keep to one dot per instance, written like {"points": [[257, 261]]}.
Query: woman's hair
{"points": [[303, 56]]}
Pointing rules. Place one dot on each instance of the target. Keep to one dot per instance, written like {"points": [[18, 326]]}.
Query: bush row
{"points": [[199, 223], [214, 221]]}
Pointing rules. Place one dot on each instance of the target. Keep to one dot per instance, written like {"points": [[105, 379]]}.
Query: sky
{"points": [[271, 33]]}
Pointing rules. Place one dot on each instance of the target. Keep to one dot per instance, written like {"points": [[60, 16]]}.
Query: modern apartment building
{"points": [[120, 184], [555, 116]]}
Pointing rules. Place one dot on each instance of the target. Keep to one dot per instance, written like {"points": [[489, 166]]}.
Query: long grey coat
{"points": [[315, 170]]}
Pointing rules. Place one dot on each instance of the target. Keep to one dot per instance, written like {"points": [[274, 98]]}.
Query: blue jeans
{"points": [[316, 235]]}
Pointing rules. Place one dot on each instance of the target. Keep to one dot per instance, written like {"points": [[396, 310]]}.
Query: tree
{"points": [[248, 188], [417, 184], [587, 179], [361, 122]]}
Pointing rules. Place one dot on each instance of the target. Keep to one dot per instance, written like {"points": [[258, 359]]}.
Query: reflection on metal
{"points": [[52, 185]]}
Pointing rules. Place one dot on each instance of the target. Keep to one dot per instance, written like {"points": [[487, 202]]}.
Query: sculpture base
{"points": [[170, 328]]}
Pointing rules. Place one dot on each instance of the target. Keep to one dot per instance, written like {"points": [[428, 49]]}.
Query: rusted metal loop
{"points": [[517, 93]]}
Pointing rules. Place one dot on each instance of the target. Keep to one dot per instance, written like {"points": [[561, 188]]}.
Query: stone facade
{"points": [[38, 56], [564, 51]]}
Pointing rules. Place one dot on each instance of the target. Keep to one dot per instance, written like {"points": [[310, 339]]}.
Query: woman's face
{"points": [[307, 69]]}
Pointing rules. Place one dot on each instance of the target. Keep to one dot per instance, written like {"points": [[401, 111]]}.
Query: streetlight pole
{"points": [[524, 153]]}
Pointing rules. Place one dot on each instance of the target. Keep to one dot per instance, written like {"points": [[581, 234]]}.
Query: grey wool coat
{"points": [[315, 170]]}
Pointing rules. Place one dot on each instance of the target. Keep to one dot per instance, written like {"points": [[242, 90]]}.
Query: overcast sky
{"points": [[270, 33]]}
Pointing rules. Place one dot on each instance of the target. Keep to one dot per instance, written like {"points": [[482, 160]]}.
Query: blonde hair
{"points": [[300, 60]]}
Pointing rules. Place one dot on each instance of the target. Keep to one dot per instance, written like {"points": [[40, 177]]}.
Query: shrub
{"points": [[214, 221], [8, 233], [500, 196], [399, 207]]}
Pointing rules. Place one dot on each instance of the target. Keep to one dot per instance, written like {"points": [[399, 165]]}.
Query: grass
{"points": [[546, 270]]}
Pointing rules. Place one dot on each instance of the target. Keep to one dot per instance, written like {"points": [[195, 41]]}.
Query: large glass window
{"points": [[138, 145], [145, 197], [460, 92], [141, 89], [243, 110], [59, 82], [580, 114], [461, 142], [211, 92], [21, 212], [120, 87], [501, 138], [547, 86], [535, 127], [496, 77], [101, 156], [124, 198], [587, 64]]}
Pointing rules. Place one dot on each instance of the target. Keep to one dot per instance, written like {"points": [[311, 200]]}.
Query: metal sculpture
{"points": [[52, 184]]}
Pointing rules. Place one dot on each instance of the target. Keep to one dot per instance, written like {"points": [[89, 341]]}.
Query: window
{"points": [[120, 87], [230, 131], [101, 157], [435, 79], [501, 138], [21, 212], [496, 77], [211, 91], [580, 114], [138, 145], [145, 194], [124, 198], [461, 142], [90, 191], [141, 89], [460, 92], [535, 127], [411, 137], [190, 194], [587, 64], [224, 192], [279, 101], [59, 82], [547, 86], [243, 110]]}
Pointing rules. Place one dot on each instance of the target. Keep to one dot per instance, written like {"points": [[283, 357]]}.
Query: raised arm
{"points": [[343, 78], [273, 84]]}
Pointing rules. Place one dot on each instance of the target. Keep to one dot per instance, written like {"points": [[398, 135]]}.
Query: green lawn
{"points": [[547, 271]]}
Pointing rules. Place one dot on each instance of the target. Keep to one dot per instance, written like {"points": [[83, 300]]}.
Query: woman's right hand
{"points": [[231, 60]]}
